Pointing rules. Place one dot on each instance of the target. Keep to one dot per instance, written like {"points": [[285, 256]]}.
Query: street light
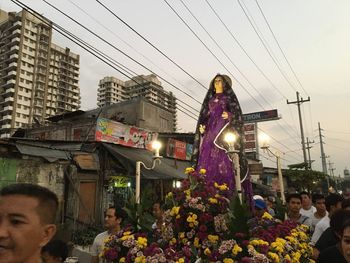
{"points": [[156, 145], [231, 138], [266, 148]]}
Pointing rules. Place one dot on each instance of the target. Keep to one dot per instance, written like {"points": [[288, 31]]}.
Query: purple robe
{"points": [[213, 159]]}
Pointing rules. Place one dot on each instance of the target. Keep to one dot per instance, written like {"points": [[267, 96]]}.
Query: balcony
{"points": [[7, 108], [6, 117], [9, 99], [6, 126], [14, 56], [17, 24], [15, 40], [16, 32]]}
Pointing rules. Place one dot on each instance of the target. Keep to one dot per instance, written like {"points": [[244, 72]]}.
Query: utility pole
{"points": [[308, 151], [331, 173], [323, 156], [299, 102]]}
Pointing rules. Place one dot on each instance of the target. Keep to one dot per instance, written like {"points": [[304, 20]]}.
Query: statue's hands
{"points": [[201, 128], [224, 115]]}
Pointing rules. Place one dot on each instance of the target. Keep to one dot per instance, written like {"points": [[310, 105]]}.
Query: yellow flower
{"points": [[125, 237], [142, 242], [207, 251], [127, 233], [213, 238], [122, 260], [202, 171], [213, 200], [189, 170], [181, 260], [267, 216], [196, 242], [175, 210], [140, 259], [169, 195], [228, 260], [236, 249], [172, 241], [274, 257], [222, 187], [287, 257], [182, 235]]}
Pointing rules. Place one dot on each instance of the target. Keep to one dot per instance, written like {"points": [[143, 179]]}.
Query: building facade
{"points": [[38, 79], [112, 90]]}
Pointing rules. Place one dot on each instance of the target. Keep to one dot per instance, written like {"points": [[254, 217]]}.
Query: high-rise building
{"points": [[38, 79], [112, 90]]}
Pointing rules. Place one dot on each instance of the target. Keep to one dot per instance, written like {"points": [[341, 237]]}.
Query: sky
{"points": [[313, 35]]}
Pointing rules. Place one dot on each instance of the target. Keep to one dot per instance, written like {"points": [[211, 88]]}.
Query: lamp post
{"points": [[231, 138], [266, 147], [156, 145]]}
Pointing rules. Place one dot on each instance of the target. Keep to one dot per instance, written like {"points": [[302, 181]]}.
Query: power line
{"points": [[177, 14], [122, 52], [126, 43], [152, 45], [192, 31], [243, 49], [87, 47], [279, 46], [268, 51]]}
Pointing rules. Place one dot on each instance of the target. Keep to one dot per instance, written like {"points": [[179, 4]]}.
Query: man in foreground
{"points": [[27, 222], [113, 220]]}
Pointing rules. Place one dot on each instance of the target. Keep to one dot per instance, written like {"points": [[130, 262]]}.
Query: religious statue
{"points": [[219, 114]]}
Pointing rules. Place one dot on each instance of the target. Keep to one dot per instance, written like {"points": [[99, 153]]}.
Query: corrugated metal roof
{"points": [[51, 155], [167, 169]]}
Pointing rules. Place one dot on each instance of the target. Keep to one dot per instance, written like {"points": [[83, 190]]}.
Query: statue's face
{"points": [[218, 85]]}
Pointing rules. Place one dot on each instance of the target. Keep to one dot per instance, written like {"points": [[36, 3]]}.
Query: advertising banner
{"points": [[179, 149], [249, 136], [119, 133]]}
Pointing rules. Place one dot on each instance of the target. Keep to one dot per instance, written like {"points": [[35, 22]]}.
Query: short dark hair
{"points": [[333, 199], [346, 224], [338, 219], [56, 248], [294, 195], [305, 193], [48, 201], [118, 212], [316, 197]]}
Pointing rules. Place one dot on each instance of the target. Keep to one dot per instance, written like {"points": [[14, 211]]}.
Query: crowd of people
{"points": [[328, 218], [28, 212]]}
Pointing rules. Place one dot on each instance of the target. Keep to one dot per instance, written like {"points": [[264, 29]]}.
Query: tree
{"points": [[307, 180]]}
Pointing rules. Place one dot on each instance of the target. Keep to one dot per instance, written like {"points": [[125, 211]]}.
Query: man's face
{"points": [[294, 205], [320, 205], [157, 211], [22, 234], [111, 221], [345, 244], [305, 200]]}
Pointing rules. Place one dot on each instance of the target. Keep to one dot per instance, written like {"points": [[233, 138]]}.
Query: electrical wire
{"points": [[84, 45], [152, 45], [119, 50], [280, 48], [268, 51]]}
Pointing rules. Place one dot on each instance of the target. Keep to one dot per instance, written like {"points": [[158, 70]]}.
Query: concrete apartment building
{"points": [[112, 90], [38, 79]]}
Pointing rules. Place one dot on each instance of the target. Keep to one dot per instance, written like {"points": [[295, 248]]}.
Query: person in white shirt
{"points": [[333, 203], [307, 209], [113, 220], [321, 211]]}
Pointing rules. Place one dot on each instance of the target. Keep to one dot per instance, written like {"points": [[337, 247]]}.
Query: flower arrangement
{"points": [[197, 228]]}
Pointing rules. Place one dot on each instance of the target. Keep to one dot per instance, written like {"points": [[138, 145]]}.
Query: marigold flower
{"points": [[207, 251], [196, 242], [236, 249], [267, 216], [202, 171], [213, 238], [189, 170], [228, 260], [213, 200], [142, 242], [122, 260], [175, 210]]}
